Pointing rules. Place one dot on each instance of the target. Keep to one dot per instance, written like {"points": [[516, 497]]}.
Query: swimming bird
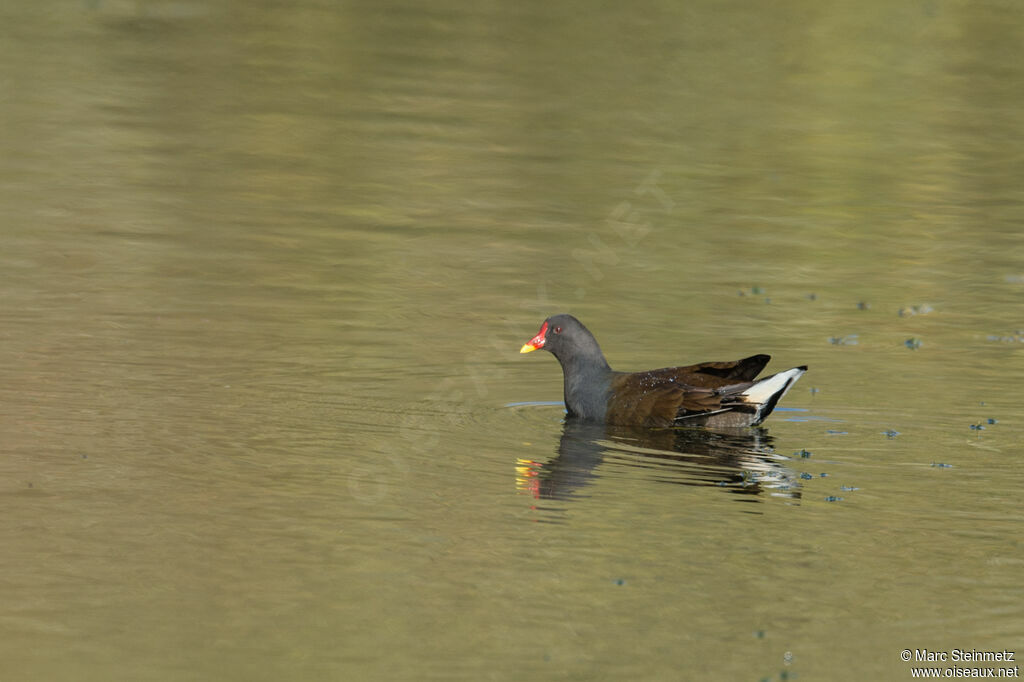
{"points": [[713, 394]]}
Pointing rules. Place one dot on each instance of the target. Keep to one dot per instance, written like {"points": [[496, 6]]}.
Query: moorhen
{"points": [[715, 394]]}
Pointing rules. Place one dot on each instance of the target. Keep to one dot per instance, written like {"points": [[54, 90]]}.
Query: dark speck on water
{"points": [[806, 476], [802, 453], [890, 433], [941, 465], [833, 498]]}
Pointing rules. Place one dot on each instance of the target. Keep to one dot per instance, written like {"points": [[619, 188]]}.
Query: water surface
{"points": [[266, 269]]}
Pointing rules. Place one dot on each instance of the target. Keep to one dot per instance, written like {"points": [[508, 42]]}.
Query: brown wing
{"points": [[661, 397], [732, 372]]}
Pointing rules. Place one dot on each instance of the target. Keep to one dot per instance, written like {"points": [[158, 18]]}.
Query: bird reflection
{"points": [[739, 461]]}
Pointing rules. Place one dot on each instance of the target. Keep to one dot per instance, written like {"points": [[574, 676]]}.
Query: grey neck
{"points": [[587, 383]]}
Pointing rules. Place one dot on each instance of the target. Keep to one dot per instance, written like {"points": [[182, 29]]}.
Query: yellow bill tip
{"points": [[527, 348]]}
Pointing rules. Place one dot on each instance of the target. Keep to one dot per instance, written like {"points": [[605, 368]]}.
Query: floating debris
{"points": [[823, 474], [922, 309], [1017, 336], [833, 498], [812, 297], [815, 390], [890, 433], [941, 465], [756, 290], [848, 488], [977, 427], [990, 420], [912, 343], [802, 453], [619, 581], [833, 432], [848, 340], [806, 476], [863, 305]]}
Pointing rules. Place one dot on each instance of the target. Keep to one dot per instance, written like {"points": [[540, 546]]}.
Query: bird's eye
{"points": [[558, 330]]}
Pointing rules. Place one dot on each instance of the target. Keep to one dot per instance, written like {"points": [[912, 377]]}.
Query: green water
{"points": [[265, 270]]}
